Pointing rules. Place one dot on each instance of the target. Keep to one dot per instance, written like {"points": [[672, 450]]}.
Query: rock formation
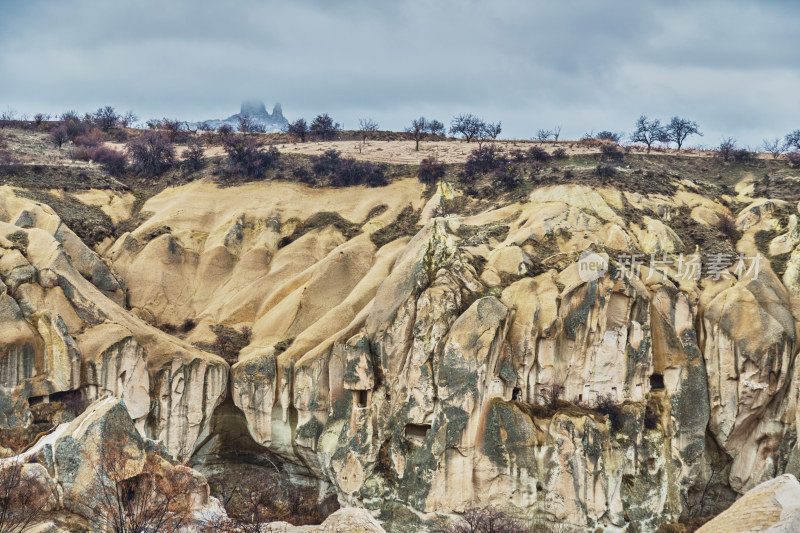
{"points": [[411, 376], [257, 111]]}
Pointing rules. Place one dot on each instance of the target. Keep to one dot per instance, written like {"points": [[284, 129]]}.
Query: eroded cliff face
{"points": [[409, 375], [67, 328]]}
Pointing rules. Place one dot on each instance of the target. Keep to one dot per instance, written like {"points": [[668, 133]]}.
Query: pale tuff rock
{"points": [[118, 367], [773, 506], [750, 344], [407, 376], [59, 326], [253, 390], [349, 520]]}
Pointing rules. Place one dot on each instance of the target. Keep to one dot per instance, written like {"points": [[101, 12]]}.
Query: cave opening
{"points": [[417, 431], [657, 382], [361, 398]]}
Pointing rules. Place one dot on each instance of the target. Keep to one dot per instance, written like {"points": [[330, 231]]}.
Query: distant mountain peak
{"points": [[254, 108], [257, 111]]}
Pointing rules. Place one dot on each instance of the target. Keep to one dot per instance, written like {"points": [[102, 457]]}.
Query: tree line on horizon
{"points": [[469, 127], [151, 152]]}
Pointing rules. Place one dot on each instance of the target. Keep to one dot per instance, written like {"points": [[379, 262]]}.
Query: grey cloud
{"points": [[583, 64]]}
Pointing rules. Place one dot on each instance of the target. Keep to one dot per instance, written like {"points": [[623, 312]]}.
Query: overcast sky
{"points": [[734, 67]]}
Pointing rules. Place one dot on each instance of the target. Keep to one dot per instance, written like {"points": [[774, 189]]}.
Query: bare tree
{"points": [[59, 135], [106, 118], [245, 122], [556, 132], [542, 135], [793, 140], [679, 129], [774, 147], [225, 130], [648, 132], [484, 520], [23, 498], [418, 130], [436, 127], [467, 125], [493, 130], [550, 395], [158, 499], [127, 120], [366, 126], [726, 149]]}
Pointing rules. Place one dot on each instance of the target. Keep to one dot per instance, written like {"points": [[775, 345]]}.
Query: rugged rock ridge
{"points": [[257, 111], [408, 377]]}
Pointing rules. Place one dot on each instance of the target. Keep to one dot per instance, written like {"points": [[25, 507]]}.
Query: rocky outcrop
{"points": [[66, 329], [773, 506], [257, 112], [417, 378], [85, 457]]}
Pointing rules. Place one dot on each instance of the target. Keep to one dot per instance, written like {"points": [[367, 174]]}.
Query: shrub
{"points": [[224, 130], [24, 498], [482, 160], [725, 149], [605, 171], [611, 152], [430, 171], [726, 225], [341, 172], [605, 405], [151, 153], [82, 153], [72, 122], [606, 135], [560, 153], [228, 343], [113, 162], [91, 139], [298, 129], [793, 159], [174, 129], [193, 159], [651, 418], [246, 156], [352, 172], [743, 155], [507, 176], [302, 174], [325, 164], [517, 155], [538, 154]]}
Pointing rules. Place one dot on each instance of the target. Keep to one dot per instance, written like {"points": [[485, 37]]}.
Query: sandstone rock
{"points": [[772, 506], [350, 520]]}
